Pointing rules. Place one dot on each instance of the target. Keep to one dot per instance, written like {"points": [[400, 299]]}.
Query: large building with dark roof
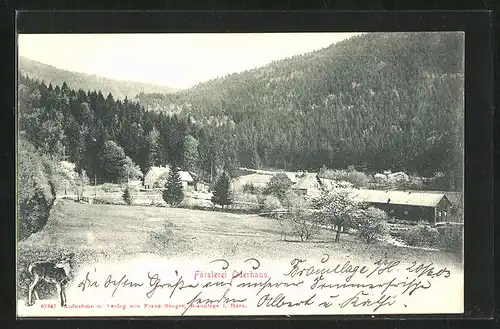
{"points": [[408, 205]]}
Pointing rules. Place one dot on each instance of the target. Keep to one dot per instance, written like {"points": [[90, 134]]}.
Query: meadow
{"points": [[100, 232]]}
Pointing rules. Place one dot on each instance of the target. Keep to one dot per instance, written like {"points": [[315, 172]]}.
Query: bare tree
{"points": [[303, 224]]}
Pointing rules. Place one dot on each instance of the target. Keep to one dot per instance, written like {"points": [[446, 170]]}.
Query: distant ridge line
{"points": [[88, 82]]}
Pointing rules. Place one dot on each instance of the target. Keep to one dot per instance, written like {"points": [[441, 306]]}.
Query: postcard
{"points": [[232, 174]]}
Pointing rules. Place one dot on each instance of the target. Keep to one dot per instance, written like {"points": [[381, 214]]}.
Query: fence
{"points": [[154, 197]]}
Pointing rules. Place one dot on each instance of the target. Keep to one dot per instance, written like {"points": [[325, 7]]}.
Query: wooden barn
{"points": [[409, 205]]}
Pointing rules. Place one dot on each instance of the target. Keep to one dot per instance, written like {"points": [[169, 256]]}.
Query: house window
{"points": [[406, 212]]}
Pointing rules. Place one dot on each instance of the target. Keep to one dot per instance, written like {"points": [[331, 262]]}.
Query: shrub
{"points": [[250, 188], [107, 199], [451, 240], [399, 181], [357, 178], [246, 198], [189, 190], [278, 185], [270, 203], [372, 224], [161, 239], [36, 193], [421, 235], [110, 188], [438, 182], [129, 196], [414, 183], [188, 203]]}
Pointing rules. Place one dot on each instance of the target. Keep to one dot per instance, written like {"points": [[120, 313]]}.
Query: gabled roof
{"points": [[186, 176], [400, 197], [307, 182], [291, 176], [454, 197], [155, 173]]}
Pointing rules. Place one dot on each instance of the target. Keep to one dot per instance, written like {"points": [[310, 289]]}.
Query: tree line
{"points": [[376, 101], [118, 140]]}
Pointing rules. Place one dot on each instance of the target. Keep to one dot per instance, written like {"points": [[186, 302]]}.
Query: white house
{"points": [[158, 176]]}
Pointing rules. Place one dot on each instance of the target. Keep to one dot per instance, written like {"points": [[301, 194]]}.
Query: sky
{"points": [[175, 60]]}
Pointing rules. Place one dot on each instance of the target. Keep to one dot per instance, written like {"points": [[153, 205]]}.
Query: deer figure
{"points": [[56, 272]]}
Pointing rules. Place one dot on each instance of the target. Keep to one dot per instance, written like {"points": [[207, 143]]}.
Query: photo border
{"points": [[478, 194]]}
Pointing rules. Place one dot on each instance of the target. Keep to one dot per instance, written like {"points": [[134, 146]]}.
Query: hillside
{"points": [[376, 102], [381, 100], [118, 88]]}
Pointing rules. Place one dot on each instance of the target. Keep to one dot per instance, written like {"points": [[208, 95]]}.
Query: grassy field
{"points": [[97, 232]]}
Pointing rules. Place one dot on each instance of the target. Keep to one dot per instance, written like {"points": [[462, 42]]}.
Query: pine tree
{"points": [[222, 193], [173, 194], [153, 147], [112, 160], [255, 159], [191, 157]]}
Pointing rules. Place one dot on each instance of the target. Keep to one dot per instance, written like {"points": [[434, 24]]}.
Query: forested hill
{"points": [[384, 100], [118, 88]]}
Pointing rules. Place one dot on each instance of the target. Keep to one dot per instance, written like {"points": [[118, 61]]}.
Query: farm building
{"points": [[291, 176], [157, 174], [309, 184], [407, 205], [455, 198]]}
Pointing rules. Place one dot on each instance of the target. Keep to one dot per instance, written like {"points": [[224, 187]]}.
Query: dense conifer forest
{"points": [[376, 101]]}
